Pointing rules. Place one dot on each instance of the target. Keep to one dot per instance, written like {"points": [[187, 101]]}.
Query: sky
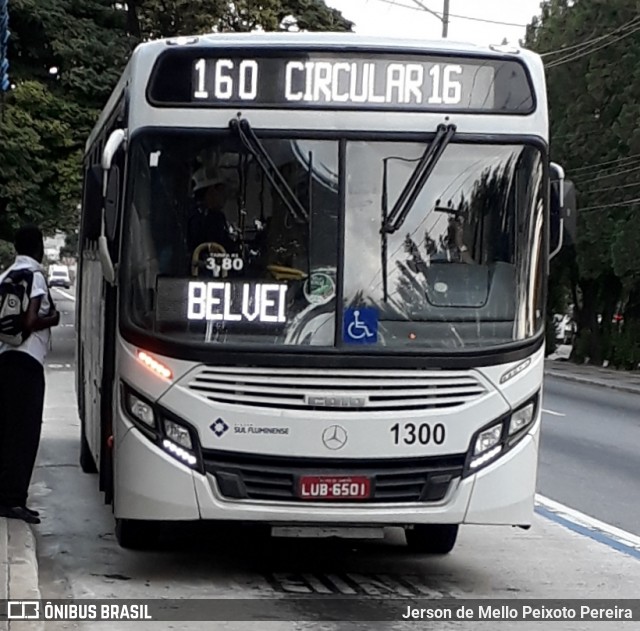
{"points": [[387, 17]]}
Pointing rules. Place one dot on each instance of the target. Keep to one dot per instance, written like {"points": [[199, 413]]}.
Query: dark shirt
{"points": [[208, 228]]}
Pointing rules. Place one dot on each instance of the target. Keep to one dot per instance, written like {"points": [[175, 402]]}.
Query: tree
{"points": [[594, 97], [150, 19], [66, 56], [70, 247], [39, 179], [6, 254]]}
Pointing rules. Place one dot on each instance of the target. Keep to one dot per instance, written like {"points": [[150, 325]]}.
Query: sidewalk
{"points": [[593, 375], [18, 567]]}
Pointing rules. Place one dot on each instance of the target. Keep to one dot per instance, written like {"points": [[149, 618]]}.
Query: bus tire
{"points": [[136, 534], [432, 538], [87, 463]]}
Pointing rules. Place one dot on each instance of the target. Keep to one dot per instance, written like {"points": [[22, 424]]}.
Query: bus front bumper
{"points": [[152, 485]]}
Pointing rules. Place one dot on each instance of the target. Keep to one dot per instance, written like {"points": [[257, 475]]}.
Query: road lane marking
{"points": [[65, 294], [352, 584], [553, 413], [611, 536]]}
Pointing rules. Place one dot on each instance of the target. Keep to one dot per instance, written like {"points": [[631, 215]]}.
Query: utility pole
{"points": [[444, 18]]}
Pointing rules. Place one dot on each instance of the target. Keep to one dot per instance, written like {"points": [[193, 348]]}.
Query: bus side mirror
{"points": [[570, 213], [111, 203], [110, 195], [556, 205]]}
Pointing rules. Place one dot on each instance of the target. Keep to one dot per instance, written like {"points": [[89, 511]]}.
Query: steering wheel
{"points": [[280, 272], [213, 248]]}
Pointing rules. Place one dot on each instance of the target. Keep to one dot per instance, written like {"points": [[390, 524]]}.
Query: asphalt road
{"points": [[63, 340], [590, 451]]}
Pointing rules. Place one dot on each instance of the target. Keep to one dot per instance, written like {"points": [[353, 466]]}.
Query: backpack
{"points": [[15, 294]]}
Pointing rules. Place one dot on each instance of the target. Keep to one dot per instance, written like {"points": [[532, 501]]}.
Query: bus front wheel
{"points": [[432, 538], [135, 534]]}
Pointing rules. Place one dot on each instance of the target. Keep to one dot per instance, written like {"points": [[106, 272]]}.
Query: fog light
{"points": [[521, 418], [179, 453], [140, 410], [488, 439], [178, 434]]}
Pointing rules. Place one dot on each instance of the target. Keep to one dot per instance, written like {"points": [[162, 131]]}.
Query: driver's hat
{"points": [[205, 177]]}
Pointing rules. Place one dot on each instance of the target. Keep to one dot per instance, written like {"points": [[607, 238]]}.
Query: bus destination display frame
{"points": [[341, 80]]}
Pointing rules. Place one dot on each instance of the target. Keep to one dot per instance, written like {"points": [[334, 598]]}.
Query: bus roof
{"points": [[145, 53], [331, 40]]}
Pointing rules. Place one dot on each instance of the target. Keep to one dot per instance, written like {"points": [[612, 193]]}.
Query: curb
{"points": [[19, 567], [590, 382]]}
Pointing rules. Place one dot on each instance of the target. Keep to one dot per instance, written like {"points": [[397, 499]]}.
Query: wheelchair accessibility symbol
{"points": [[360, 326]]}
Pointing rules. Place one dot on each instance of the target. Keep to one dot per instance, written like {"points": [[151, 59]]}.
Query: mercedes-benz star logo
{"points": [[334, 437]]}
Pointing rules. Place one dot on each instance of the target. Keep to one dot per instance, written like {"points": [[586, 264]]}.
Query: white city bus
{"points": [[312, 285]]}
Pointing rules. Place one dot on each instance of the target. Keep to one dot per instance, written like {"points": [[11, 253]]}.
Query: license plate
{"points": [[334, 487]]}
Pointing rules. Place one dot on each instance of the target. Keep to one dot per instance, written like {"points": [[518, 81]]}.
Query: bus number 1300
{"points": [[423, 434]]}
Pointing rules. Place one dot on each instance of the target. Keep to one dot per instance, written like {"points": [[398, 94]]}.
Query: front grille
{"points": [[342, 389], [273, 478]]}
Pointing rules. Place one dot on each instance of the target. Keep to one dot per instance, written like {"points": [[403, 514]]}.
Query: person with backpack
{"points": [[27, 314]]}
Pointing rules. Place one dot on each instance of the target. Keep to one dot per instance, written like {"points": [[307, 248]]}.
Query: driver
{"points": [[208, 222]]}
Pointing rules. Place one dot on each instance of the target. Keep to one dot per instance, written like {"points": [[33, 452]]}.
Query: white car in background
{"points": [[59, 276]]}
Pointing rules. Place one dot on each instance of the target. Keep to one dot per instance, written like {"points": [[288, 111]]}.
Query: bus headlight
{"points": [[494, 440], [140, 410], [487, 445], [521, 418], [178, 434], [488, 439], [179, 441]]}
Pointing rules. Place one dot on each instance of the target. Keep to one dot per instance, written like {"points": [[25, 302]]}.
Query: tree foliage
{"points": [[66, 56], [594, 97], [149, 19], [70, 247]]}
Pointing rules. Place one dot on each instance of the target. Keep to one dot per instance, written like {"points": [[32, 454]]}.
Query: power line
{"points": [[633, 157], [628, 202], [589, 45], [603, 172], [603, 177], [612, 188], [586, 43], [579, 55], [452, 15]]}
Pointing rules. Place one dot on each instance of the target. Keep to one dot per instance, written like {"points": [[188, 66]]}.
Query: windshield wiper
{"points": [[252, 143], [418, 179]]}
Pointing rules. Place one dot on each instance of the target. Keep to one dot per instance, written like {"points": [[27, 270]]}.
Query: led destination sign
{"points": [[332, 80], [237, 302], [246, 303]]}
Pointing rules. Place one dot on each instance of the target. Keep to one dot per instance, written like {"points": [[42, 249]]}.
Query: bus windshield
{"points": [[215, 252], [466, 267]]}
